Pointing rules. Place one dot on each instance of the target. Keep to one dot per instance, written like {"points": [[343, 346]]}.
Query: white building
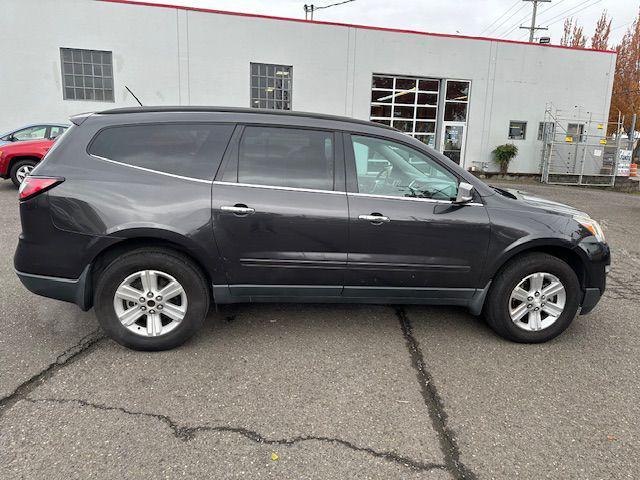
{"points": [[462, 95]]}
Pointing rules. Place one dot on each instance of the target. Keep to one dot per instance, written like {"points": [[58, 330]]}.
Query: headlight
{"points": [[593, 226]]}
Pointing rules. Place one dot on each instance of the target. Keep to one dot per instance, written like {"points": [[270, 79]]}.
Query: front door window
{"points": [[392, 169]]}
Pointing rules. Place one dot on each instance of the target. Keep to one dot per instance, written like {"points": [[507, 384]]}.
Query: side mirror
{"points": [[465, 193]]}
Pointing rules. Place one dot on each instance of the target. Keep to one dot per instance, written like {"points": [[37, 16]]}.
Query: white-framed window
{"points": [[456, 101], [271, 86], [546, 131], [87, 74], [576, 131], [409, 104], [517, 130]]}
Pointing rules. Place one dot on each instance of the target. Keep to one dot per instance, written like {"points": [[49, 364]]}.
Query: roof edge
{"points": [[351, 25]]}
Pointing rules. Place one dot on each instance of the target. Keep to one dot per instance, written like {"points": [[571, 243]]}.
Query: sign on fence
{"points": [[624, 162]]}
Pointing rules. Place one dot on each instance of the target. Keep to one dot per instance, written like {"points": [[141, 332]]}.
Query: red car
{"points": [[19, 158]]}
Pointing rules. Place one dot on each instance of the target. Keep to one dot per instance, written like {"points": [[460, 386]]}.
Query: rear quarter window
{"points": [[186, 149]]}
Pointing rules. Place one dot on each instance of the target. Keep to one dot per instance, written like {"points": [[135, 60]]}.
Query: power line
{"points": [[497, 27], [515, 26], [623, 25], [309, 9], [517, 2], [553, 20], [553, 5], [333, 4], [532, 29]]}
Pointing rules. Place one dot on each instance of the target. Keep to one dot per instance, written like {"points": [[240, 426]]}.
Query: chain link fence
{"points": [[579, 149]]}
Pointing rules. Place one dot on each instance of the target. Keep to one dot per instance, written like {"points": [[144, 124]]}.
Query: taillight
{"points": [[32, 186]]}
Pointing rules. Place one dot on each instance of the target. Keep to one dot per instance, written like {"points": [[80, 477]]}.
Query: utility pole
{"points": [[532, 29], [632, 133], [309, 9]]}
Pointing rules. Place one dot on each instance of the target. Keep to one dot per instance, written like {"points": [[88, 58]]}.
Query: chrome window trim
{"points": [[276, 187], [414, 199], [149, 170]]}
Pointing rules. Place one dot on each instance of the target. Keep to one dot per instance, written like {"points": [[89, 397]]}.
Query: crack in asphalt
{"points": [[430, 395], [65, 358], [187, 433], [432, 400]]}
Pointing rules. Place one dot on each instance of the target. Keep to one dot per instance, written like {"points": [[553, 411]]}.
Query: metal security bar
{"points": [[579, 148]]}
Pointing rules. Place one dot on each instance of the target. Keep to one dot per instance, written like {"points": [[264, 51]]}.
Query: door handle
{"points": [[375, 218], [238, 209]]}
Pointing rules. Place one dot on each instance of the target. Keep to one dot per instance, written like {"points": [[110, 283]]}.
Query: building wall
{"points": [[173, 56]]}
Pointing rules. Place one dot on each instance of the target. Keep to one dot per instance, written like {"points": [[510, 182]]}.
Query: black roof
{"points": [[261, 111]]}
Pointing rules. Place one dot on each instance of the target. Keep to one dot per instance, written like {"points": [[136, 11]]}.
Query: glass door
{"points": [[454, 125], [453, 140]]}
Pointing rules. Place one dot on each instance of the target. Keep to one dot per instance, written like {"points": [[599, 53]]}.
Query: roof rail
{"points": [[253, 111]]}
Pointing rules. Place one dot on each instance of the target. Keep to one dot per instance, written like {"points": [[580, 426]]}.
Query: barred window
{"points": [[271, 86], [87, 74]]}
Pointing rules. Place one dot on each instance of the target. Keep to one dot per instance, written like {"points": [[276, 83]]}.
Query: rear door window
{"points": [[186, 149], [287, 157], [31, 133]]}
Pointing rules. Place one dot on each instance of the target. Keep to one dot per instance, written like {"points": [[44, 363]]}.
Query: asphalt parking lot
{"points": [[321, 391]]}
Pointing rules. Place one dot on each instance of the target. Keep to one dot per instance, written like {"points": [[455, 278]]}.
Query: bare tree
{"points": [[573, 35], [600, 39], [626, 84]]}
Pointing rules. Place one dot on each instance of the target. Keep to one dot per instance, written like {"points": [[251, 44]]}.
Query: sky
{"points": [[492, 18]]}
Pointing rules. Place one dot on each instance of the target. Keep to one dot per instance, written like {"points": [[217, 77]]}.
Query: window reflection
{"points": [[388, 168]]}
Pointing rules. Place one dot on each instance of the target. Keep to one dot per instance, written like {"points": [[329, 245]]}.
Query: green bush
{"points": [[503, 154]]}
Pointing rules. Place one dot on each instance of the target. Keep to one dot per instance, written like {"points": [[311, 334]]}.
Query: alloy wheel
{"points": [[537, 301], [23, 172], [150, 303]]}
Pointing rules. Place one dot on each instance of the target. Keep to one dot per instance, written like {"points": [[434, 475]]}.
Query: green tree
{"points": [[503, 154]]}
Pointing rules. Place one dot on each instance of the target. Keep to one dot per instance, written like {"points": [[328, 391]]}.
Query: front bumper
{"points": [[597, 270], [590, 300], [76, 291]]}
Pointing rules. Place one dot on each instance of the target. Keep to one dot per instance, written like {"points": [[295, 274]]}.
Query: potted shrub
{"points": [[503, 154]]}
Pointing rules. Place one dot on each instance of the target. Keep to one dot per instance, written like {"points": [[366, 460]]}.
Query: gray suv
{"points": [[151, 214]]}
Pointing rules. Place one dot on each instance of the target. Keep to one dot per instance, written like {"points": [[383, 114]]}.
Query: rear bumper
{"points": [[76, 291]]}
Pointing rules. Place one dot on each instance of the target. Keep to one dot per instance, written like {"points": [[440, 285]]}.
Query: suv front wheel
{"points": [[151, 299], [533, 299]]}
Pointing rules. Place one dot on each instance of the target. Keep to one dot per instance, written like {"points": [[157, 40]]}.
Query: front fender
{"points": [[496, 260]]}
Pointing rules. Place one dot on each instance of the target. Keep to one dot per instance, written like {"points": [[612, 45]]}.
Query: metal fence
{"points": [[579, 149]]}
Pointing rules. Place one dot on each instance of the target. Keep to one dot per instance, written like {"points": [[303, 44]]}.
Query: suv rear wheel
{"points": [[20, 170], [151, 299], [533, 299]]}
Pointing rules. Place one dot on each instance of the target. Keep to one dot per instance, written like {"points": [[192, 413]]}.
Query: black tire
{"points": [[152, 258], [16, 166], [496, 309]]}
